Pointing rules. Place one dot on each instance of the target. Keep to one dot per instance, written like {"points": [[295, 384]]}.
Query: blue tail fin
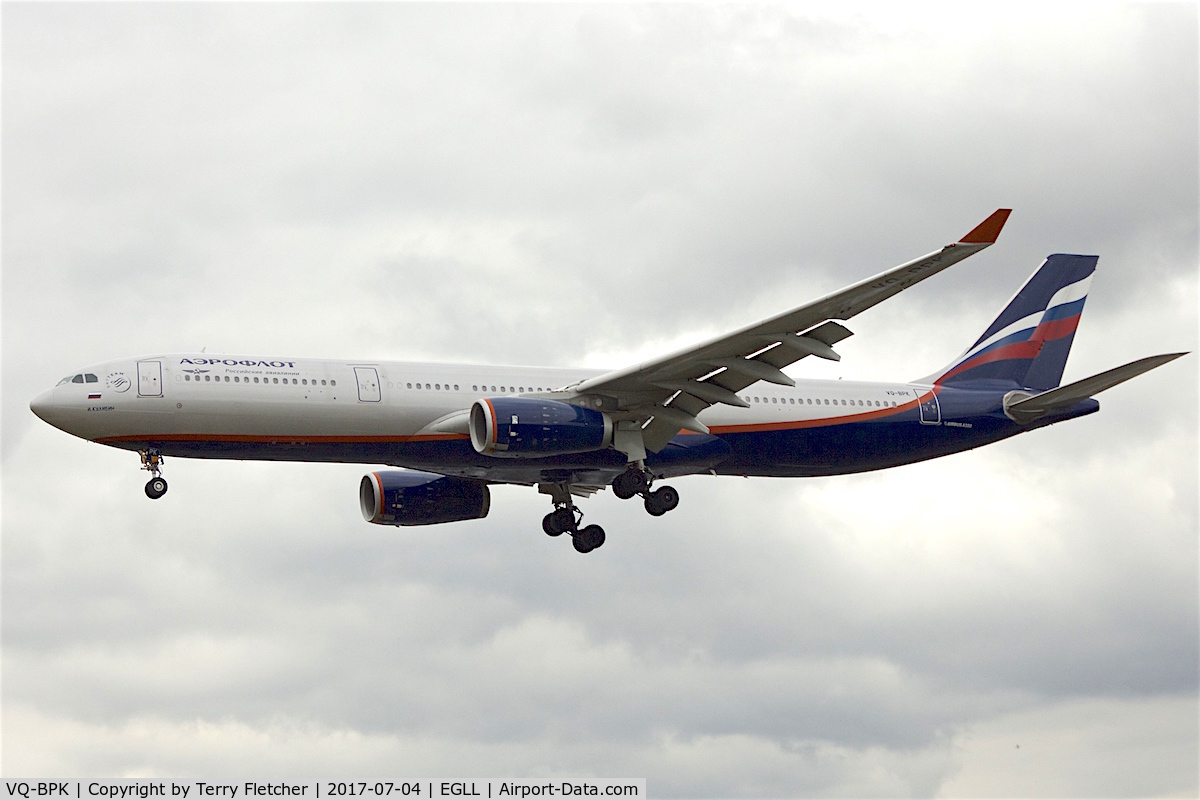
{"points": [[1029, 342]]}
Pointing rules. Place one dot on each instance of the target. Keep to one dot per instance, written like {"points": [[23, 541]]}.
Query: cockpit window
{"points": [[90, 378], [65, 380], [77, 379]]}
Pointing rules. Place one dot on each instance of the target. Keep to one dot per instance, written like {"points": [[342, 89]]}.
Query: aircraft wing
{"points": [[663, 395]]}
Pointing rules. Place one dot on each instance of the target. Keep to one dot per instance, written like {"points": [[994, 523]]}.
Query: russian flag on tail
{"points": [[1028, 343]]}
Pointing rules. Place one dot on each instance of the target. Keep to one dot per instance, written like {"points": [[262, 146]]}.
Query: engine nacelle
{"points": [[528, 427], [407, 497]]}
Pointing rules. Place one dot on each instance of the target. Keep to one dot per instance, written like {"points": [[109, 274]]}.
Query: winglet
{"points": [[987, 231]]}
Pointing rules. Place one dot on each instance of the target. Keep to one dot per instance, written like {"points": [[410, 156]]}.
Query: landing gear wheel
{"points": [[660, 501], [156, 488], [562, 519], [588, 539], [652, 506], [629, 483], [549, 526], [668, 498]]}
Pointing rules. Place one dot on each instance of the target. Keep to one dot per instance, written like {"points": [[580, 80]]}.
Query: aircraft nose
{"points": [[42, 404]]}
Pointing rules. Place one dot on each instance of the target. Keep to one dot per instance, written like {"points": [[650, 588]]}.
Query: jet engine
{"points": [[408, 497], [527, 427]]}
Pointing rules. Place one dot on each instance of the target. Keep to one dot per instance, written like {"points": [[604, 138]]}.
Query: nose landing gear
{"points": [[152, 461], [637, 481]]}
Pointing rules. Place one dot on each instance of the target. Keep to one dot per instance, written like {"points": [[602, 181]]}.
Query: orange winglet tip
{"points": [[987, 231]]}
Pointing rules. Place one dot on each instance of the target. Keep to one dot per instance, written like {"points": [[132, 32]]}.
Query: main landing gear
{"points": [[637, 481], [152, 461], [565, 518]]}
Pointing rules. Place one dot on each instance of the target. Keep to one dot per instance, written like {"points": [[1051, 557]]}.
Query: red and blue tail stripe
{"points": [[1028, 343]]}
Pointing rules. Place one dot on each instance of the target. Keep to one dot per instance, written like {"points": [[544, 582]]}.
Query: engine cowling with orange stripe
{"points": [[529, 427], [409, 497]]}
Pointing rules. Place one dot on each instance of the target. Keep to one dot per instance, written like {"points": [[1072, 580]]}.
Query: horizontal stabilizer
{"points": [[1022, 407]]}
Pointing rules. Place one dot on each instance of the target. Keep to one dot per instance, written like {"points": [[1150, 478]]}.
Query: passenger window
{"points": [[437, 386], [333, 383], [236, 379], [305, 381], [456, 387], [77, 379], [323, 383], [293, 381]]}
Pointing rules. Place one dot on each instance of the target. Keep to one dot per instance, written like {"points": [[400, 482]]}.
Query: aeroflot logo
{"points": [[232, 362]]}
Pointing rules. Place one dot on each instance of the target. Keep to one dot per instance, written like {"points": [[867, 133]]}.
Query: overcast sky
{"points": [[586, 185]]}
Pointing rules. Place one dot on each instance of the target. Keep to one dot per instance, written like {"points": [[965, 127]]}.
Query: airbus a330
{"points": [[724, 407]]}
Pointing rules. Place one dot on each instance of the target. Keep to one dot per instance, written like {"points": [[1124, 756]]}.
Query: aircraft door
{"points": [[149, 379], [931, 412], [368, 384]]}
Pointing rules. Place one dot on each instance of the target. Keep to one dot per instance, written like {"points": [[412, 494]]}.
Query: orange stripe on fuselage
{"points": [[280, 438], [823, 422]]}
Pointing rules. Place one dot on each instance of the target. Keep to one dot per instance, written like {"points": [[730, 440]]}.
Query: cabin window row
{"points": [[517, 389], [247, 379], [819, 401], [445, 387], [438, 387]]}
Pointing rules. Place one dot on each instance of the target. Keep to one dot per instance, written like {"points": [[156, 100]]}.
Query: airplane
{"points": [[722, 407]]}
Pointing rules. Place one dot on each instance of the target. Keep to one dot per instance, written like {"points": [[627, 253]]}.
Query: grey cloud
{"points": [[526, 184]]}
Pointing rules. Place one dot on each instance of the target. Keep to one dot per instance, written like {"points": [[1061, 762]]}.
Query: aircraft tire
{"points": [[668, 498], [621, 488], [628, 484], [549, 525], [563, 520], [654, 505], [156, 488], [589, 539]]}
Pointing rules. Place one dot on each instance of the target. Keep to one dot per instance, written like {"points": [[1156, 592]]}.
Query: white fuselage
{"points": [[265, 397]]}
